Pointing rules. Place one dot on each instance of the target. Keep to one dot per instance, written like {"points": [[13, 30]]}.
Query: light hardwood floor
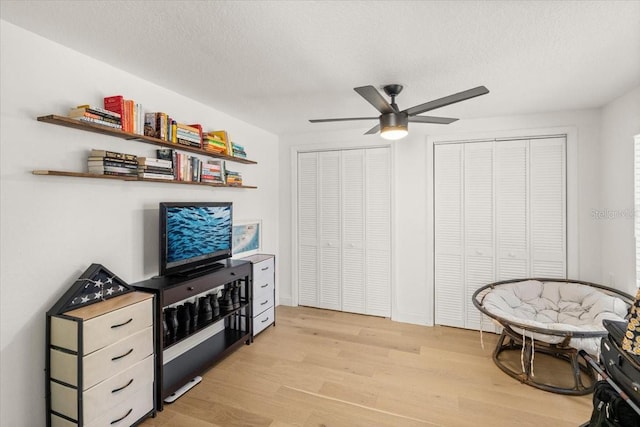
{"points": [[326, 368]]}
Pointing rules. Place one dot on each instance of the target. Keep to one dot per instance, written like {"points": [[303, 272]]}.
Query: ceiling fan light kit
{"points": [[393, 123], [394, 126]]}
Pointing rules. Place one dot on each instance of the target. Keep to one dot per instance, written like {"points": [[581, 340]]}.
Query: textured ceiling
{"points": [[276, 64]]}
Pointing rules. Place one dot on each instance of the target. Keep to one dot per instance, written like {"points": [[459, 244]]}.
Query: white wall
{"points": [[413, 241], [53, 228], [620, 122]]}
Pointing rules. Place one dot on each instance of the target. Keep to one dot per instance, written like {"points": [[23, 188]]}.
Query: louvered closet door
{"points": [[378, 231], [500, 213], [308, 254], [330, 211], [353, 233], [344, 230], [450, 303], [548, 207], [478, 226], [512, 207]]}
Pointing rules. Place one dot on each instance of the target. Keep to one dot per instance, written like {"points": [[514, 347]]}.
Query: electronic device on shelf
{"points": [[194, 236]]}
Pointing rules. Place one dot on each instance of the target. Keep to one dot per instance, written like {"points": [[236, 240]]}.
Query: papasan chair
{"points": [[556, 317]]}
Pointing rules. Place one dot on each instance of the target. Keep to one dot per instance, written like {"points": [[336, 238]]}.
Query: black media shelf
{"points": [[183, 368], [232, 328], [182, 337]]}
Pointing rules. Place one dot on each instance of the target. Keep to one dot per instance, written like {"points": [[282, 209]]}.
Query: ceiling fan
{"points": [[393, 122]]}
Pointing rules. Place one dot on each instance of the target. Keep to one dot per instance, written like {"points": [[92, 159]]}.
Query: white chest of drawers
{"points": [[100, 364], [264, 291]]}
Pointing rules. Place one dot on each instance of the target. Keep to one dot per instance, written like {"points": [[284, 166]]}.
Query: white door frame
{"points": [[571, 134], [294, 206]]}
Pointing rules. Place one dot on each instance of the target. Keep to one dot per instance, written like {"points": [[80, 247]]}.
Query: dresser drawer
{"points": [[103, 330], [190, 288], [112, 327], [126, 413], [137, 379], [263, 273], [262, 302], [261, 321], [103, 363]]}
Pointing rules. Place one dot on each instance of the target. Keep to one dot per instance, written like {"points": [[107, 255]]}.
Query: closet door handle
{"points": [[122, 324], [115, 390], [122, 418], [113, 359]]}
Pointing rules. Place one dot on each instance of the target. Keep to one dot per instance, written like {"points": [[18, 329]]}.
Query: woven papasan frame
{"points": [[510, 340]]}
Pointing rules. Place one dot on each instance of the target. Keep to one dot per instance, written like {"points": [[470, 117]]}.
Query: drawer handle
{"points": [[123, 387], [265, 268], [265, 301], [265, 320], [122, 324], [120, 419], [264, 286], [113, 359]]}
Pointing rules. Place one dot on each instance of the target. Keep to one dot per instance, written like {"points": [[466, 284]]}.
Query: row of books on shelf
{"points": [[128, 116], [169, 164]]}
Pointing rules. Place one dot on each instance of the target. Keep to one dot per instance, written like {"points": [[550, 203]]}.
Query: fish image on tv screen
{"points": [[197, 232]]}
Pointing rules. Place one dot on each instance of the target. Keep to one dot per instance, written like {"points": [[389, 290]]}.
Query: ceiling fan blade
{"points": [[342, 120], [431, 119], [374, 98], [373, 130], [447, 100]]}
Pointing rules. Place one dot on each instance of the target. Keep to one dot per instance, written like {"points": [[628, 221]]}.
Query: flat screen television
{"points": [[194, 236]]}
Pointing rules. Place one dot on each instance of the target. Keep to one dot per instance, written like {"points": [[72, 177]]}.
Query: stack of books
{"points": [[170, 155], [151, 168], [103, 162], [213, 143], [129, 110], [188, 135], [96, 115], [219, 142], [238, 150], [213, 171], [233, 178]]}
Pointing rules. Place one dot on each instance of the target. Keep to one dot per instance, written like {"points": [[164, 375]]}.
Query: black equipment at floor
{"points": [[616, 399]]}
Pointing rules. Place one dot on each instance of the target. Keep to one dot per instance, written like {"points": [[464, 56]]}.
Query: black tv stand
{"points": [[190, 355]]}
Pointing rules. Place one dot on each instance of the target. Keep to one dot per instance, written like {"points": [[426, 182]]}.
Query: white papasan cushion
{"points": [[556, 306]]}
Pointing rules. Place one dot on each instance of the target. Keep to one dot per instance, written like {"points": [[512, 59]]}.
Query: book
{"points": [[150, 161], [83, 112], [168, 171], [123, 164], [97, 122], [151, 175], [99, 110], [96, 159], [114, 103], [150, 125], [120, 169], [114, 154]]}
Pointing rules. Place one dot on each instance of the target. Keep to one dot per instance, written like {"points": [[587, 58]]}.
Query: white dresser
{"points": [[264, 291], [100, 366]]}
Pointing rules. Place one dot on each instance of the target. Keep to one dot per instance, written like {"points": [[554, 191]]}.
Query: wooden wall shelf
{"points": [[96, 128], [90, 127], [132, 178]]}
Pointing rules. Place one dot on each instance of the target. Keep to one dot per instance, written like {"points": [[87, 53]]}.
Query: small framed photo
{"points": [[247, 237]]}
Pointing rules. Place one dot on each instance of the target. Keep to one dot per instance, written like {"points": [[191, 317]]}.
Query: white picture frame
{"points": [[247, 238]]}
